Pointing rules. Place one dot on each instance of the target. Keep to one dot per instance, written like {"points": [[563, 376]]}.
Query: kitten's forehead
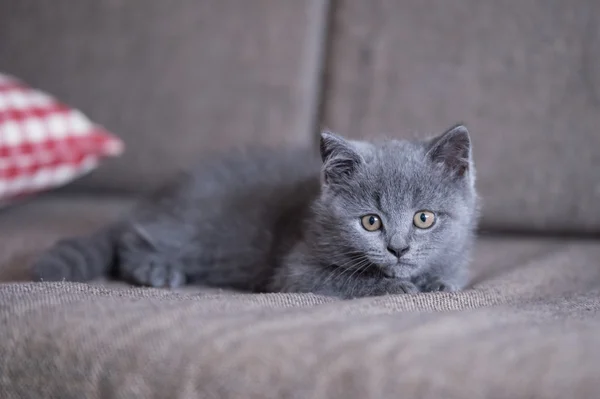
{"points": [[395, 154], [398, 160], [399, 173], [401, 153]]}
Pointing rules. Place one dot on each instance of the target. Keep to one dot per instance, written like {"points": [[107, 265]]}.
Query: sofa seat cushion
{"points": [[532, 310], [69, 340]]}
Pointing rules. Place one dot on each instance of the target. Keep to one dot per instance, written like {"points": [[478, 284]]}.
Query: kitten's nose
{"points": [[398, 251]]}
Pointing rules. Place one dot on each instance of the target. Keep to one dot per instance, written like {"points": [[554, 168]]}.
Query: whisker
{"points": [[344, 268], [362, 266], [345, 255], [357, 277], [349, 259]]}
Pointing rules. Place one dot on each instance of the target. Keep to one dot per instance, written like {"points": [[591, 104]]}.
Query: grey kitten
{"points": [[367, 219]]}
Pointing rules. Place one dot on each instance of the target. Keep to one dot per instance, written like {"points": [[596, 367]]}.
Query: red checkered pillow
{"points": [[44, 143]]}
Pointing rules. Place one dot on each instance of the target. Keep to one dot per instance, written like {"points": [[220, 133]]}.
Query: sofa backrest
{"points": [[523, 75], [177, 80]]}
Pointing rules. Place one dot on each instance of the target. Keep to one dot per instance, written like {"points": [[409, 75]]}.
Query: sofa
{"points": [[178, 80]]}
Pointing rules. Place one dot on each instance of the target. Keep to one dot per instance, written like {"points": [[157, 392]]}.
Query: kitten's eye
{"points": [[371, 222], [424, 219]]}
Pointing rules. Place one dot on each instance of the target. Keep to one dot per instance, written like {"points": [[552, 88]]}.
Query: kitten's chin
{"points": [[398, 270], [387, 272]]}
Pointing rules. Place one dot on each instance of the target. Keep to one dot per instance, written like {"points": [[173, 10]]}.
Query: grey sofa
{"points": [[177, 80]]}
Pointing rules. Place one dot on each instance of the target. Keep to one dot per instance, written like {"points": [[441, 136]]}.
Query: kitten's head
{"points": [[397, 206]]}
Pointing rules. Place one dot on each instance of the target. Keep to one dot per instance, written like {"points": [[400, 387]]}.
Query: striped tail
{"points": [[79, 258]]}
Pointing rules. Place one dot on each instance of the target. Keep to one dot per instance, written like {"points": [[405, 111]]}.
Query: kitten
{"points": [[367, 219]]}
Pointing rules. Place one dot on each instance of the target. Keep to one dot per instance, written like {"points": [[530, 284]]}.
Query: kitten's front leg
{"points": [[383, 286], [144, 261], [365, 287], [429, 283], [299, 275], [152, 270]]}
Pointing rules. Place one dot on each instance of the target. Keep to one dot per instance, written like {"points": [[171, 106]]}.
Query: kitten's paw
{"points": [[156, 272], [409, 288], [403, 287], [438, 285]]}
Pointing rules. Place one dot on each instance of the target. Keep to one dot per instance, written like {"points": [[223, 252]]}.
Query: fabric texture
{"points": [[43, 143], [527, 327], [145, 343]]}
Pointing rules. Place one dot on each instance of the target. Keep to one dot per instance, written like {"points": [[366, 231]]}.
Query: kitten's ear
{"points": [[340, 159], [452, 149]]}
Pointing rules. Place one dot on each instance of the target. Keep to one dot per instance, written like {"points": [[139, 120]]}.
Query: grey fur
{"points": [[285, 221]]}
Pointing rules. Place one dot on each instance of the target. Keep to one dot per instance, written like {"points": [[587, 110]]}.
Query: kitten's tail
{"points": [[79, 258]]}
